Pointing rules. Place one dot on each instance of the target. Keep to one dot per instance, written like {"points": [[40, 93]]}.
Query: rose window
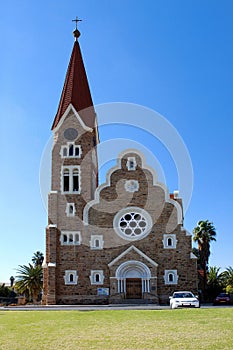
{"points": [[134, 224]]}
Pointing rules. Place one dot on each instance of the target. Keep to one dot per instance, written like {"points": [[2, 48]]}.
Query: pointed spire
{"points": [[76, 88]]}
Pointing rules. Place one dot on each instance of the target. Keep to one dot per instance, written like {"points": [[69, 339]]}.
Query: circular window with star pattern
{"points": [[132, 223]]}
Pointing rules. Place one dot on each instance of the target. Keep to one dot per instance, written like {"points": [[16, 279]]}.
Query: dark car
{"points": [[222, 298]]}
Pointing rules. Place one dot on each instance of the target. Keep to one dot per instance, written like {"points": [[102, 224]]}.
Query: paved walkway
{"points": [[86, 307]]}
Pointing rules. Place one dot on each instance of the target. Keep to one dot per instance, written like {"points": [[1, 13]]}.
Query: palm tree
{"points": [[29, 280], [38, 258], [214, 282], [204, 233], [228, 279]]}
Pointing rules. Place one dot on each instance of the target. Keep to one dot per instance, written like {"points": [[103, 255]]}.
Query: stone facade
{"points": [[121, 241]]}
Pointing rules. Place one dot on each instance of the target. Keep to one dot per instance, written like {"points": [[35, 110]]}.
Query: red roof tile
{"points": [[76, 90]]}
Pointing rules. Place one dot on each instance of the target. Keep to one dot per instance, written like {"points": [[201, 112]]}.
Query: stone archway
{"points": [[133, 279]]}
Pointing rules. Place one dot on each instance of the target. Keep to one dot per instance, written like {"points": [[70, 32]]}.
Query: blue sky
{"points": [[173, 56]]}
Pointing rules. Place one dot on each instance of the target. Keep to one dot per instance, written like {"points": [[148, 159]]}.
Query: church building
{"points": [[120, 242]]}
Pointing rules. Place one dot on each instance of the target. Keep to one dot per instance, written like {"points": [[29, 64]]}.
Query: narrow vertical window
{"points": [[96, 242], [64, 152], [65, 239], [97, 277], [71, 150], [75, 180], [71, 209], [131, 163], [71, 278], [169, 242], [76, 151], [66, 180], [170, 277]]}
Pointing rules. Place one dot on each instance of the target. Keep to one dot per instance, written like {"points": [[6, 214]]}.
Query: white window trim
{"points": [[165, 241], [166, 277], [67, 277], [68, 205], [131, 185], [93, 242], [71, 168], [92, 277], [68, 233], [67, 146], [128, 164]]}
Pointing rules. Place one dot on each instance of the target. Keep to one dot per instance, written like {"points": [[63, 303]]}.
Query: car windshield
{"points": [[183, 295], [223, 295]]}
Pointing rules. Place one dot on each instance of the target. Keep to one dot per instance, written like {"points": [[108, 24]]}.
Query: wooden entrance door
{"points": [[133, 288]]}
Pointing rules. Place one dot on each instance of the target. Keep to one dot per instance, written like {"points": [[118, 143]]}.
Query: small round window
{"points": [[132, 223]]}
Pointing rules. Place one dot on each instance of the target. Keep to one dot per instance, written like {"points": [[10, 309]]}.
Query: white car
{"points": [[183, 299]]}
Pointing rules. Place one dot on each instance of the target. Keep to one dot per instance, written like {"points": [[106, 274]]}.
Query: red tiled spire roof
{"points": [[76, 89]]}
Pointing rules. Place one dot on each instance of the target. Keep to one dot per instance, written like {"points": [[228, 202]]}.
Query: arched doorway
{"points": [[133, 279]]}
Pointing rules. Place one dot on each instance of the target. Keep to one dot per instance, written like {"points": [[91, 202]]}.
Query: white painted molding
{"points": [[71, 108], [50, 264], [144, 166], [132, 247]]}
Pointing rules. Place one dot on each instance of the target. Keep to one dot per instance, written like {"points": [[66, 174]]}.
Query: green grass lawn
{"points": [[117, 329]]}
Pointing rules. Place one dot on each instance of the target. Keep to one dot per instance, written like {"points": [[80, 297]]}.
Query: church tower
{"points": [[74, 171]]}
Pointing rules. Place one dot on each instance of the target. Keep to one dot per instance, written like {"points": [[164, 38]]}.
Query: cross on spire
{"points": [[76, 20]]}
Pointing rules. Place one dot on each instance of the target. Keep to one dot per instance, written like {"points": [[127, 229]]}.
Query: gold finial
{"points": [[76, 32]]}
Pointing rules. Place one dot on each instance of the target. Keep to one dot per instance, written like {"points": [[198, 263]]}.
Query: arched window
{"points": [[70, 179], [97, 277], [71, 277], [71, 238], [96, 242], [131, 163], [66, 180], [70, 209], [75, 180], [170, 277], [71, 150], [64, 152], [76, 238], [169, 242], [77, 151]]}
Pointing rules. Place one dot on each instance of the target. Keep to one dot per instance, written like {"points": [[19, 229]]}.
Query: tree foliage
{"points": [[204, 233], [228, 279], [4, 290], [29, 281], [214, 282], [38, 258]]}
